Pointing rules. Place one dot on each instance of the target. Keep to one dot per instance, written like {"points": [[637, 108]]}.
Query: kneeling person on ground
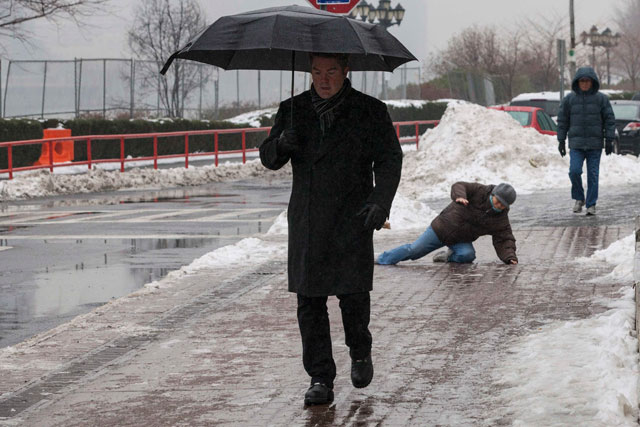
{"points": [[476, 210]]}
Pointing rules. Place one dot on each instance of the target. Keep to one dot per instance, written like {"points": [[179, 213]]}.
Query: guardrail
{"points": [[157, 136]]}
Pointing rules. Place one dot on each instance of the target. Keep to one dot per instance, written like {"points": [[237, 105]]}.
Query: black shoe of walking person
{"points": [[361, 372], [318, 394]]}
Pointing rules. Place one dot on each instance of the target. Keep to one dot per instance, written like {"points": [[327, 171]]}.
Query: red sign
{"points": [[335, 6]]}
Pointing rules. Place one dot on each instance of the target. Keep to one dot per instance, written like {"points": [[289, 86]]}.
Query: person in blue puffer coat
{"points": [[587, 118]]}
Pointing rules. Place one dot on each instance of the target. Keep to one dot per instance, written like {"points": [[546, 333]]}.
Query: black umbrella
{"points": [[268, 39]]}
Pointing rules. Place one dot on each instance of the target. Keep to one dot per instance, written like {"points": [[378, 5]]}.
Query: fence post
{"points": [[181, 98], [238, 88], [122, 154], [6, 89], [89, 152], [216, 86], [10, 161], [215, 147], [51, 146], [158, 98], [75, 86], [80, 86], [155, 151], [259, 97], [417, 135], [244, 146], [104, 88], [132, 88], [44, 86], [200, 101], [186, 151]]}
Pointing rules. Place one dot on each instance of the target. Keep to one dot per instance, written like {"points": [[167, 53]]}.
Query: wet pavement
{"points": [[222, 348], [64, 256]]}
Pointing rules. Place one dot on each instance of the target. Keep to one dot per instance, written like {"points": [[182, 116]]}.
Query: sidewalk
{"points": [[223, 348]]}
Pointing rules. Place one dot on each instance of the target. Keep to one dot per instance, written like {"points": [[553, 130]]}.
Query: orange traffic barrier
{"points": [[62, 150]]}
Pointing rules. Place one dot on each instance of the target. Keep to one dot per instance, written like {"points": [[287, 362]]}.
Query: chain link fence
{"points": [[109, 88]]}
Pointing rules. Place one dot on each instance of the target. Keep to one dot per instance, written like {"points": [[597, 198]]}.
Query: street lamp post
{"points": [[605, 39], [385, 15]]}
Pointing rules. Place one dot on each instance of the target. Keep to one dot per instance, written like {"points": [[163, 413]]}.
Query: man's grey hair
{"points": [[343, 58]]}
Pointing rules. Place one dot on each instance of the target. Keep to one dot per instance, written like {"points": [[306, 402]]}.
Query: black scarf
{"points": [[326, 108]]}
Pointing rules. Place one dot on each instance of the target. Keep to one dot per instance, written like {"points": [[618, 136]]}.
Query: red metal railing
{"points": [[156, 136]]}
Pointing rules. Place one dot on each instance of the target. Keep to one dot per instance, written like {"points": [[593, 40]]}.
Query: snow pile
{"points": [[621, 254], [249, 251], [42, 183], [405, 214], [404, 103], [581, 372], [253, 117], [477, 144]]}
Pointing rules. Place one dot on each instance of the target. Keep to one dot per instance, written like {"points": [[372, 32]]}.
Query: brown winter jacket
{"points": [[458, 223]]}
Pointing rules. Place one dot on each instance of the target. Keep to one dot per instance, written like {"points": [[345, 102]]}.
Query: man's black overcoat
{"points": [[330, 251]]}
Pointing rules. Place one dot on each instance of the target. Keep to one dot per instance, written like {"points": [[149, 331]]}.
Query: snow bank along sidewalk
{"points": [[471, 143]]}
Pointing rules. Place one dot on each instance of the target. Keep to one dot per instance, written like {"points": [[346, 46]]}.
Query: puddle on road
{"points": [[106, 269]]}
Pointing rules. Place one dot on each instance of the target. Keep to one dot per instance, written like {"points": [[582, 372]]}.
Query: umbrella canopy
{"points": [[267, 39]]}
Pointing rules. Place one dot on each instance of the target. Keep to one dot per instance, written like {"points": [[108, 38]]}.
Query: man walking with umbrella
{"points": [[337, 140]]}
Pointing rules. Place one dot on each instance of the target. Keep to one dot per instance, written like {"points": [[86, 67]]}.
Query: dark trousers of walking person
{"points": [[313, 319], [577, 158]]}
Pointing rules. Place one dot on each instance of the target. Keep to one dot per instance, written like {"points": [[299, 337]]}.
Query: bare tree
{"points": [[15, 13], [510, 65], [482, 51], [627, 53], [540, 61], [160, 28]]}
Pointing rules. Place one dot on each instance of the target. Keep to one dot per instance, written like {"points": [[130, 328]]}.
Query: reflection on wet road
{"points": [[60, 257]]}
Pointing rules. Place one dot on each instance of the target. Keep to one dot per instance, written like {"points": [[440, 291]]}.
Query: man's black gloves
{"points": [[608, 147], [562, 148], [374, 216], [288, 143]]}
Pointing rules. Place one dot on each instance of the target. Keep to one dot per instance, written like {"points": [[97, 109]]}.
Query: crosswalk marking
{"points": [[139, 216], [123, 237]]}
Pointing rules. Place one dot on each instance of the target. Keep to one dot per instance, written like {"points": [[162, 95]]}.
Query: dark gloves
{"points": [[608, 147], [288, 143], [374, 215], [562, 148]]}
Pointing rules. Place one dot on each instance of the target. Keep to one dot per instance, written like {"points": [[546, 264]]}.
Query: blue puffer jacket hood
{"points": [[586, 72]]}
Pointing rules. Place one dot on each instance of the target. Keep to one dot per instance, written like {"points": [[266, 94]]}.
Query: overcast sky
{"points": [[426, 28]]}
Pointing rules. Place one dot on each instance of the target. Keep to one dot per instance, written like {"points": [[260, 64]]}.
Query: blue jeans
{"points": [[427, 242], [576, 159]]}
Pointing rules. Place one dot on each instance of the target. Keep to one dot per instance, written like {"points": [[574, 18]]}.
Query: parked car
{"points": [[533, 117], [628, 126], [548, 101]]}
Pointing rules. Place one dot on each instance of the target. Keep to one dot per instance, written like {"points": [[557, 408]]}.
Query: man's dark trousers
{"points": [[313, 320]]}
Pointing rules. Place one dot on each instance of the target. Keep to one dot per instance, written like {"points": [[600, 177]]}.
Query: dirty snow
{"points": [[476, 144], [582, 372]]}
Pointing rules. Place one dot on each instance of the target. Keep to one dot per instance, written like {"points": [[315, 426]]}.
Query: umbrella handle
{"points": [[293, 68], [168, 63]]}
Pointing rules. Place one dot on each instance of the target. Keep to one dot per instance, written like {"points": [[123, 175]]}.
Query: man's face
{"points": [[585, 83], [327, 76], [498, 204]]}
